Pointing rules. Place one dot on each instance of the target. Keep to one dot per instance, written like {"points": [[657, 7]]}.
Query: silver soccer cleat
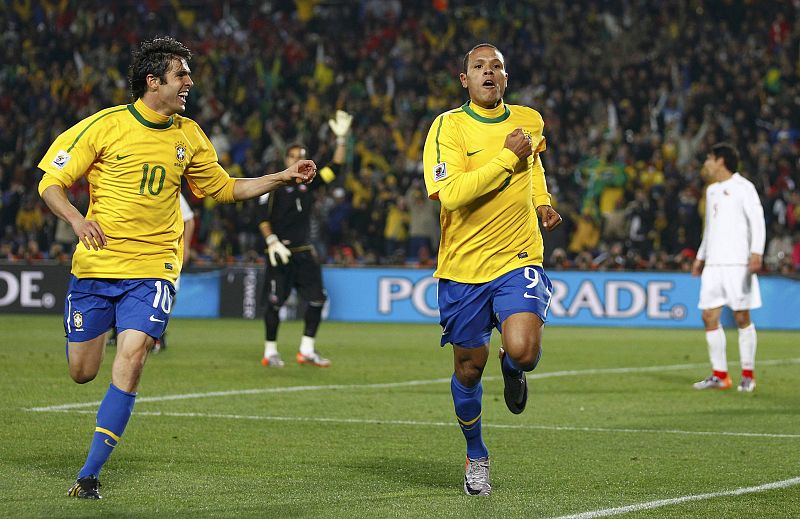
{"points": [[747, 385], [273, 361], [713, 382], [476, 477], [315, 359]]}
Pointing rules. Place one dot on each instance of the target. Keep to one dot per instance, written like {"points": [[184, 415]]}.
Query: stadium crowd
{"points": [[633, 94]]}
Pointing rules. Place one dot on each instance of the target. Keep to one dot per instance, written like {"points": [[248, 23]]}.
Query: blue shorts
{"points": [[468, 312], [93, 306]]}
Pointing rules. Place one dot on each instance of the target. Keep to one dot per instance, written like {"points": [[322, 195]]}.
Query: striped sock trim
{"points": [[467, 423], [107, 432]]}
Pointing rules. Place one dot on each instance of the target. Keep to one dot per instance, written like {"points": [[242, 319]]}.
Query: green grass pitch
{"points": [[612, 422]]}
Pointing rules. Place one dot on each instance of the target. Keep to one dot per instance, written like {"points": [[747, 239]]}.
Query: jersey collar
{"points": [[148, 117], [484, 115]]}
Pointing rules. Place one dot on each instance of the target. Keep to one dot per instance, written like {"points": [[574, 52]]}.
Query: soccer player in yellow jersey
{"points": [[133, 157], [481, 161]]}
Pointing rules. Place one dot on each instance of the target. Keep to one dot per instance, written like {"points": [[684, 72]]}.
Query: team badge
{"points": [[180, 151], [62, 157], [77, 319], [439, 171]]}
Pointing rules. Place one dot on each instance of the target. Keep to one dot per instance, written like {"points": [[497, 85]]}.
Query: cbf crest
{"points": [[77, 319], [180, 153]]}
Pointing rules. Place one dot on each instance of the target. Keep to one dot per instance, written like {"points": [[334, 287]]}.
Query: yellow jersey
{"points": [[489, 221], [133, 158]]}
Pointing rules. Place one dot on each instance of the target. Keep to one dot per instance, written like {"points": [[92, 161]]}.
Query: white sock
{"points": [[747, 347], [307, 345], [270, 348], [716, 349]]}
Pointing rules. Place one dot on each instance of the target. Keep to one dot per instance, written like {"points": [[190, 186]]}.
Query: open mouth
{"points": [[183, 96], [489, 84]]}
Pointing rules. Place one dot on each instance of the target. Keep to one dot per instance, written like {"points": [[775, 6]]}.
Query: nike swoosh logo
{"points": [[471, 153], [122, 157], [155, 319], [528, 296], [108, 443]]}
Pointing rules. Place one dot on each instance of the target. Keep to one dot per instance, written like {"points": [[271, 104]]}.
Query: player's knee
{"points": [[468, 373], [525, 351], [529, 358], [710, 320], [742, 319], [81, 376], [319, 301]]}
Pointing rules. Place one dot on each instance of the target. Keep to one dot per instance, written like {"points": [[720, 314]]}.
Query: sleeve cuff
{"points": [[225, 195], [49, 180], [507, 159], [540, 200]]}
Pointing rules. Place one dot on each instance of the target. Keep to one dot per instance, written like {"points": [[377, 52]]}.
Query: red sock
{"points": [[722, 375], [747, 373]]}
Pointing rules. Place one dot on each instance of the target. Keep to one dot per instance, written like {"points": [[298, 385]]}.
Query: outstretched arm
{"points": [[301, 172]]}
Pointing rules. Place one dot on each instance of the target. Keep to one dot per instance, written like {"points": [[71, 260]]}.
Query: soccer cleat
{"points": [[85, 488], [713, 382], [273, 361], [315, 359], [747, 385], [476, 477], [515, 390]]}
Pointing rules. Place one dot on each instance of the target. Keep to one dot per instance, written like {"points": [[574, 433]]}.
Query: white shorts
{"points": [[731, 286]]}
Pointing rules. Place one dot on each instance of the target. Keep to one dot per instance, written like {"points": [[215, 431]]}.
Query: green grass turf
{"points": [[587, 441]]}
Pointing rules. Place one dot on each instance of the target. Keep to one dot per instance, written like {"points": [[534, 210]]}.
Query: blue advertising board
{"points": [[198, 295], [635, 299]]}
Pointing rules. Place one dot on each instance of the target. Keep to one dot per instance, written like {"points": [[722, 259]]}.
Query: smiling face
{"points": [[486, 78], [169, 98]]}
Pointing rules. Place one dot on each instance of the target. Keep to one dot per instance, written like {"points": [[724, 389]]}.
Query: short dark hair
{"points": [[728, 154], [294, 145], [154, 57], [478, 46]]}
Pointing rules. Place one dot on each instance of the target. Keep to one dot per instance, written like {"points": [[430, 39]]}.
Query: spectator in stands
{"points": [[649, 104]]}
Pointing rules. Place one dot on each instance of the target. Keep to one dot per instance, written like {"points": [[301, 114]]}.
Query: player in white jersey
{"points": [[729, 257]]}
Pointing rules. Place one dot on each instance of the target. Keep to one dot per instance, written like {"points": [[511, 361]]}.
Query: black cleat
{"points": [[515, 390], [85, 488]]}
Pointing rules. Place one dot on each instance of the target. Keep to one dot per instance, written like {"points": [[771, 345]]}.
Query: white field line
{"points": [[373, 421], [408, 383], [775, 485]]}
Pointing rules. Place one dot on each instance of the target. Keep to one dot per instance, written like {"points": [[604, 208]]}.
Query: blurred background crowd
{"points": [[633, 94]]}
